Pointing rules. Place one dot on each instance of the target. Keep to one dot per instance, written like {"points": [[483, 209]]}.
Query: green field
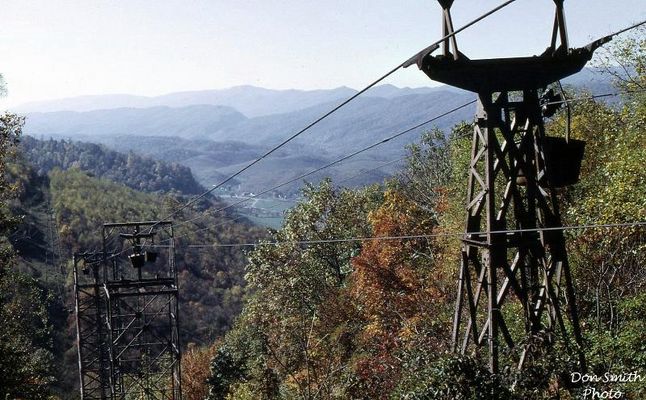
{"points": [[262, 211]]}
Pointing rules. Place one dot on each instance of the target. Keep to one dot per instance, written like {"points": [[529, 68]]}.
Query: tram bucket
{"points": [[563, 160]]}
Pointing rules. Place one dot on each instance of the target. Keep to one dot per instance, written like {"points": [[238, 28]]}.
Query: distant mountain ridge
{"points": [[255, 101], [251, 101], [361, 122], [215, 139], [190, 121]]}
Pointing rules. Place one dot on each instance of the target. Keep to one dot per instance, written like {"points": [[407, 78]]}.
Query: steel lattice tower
{"points": [[513, 256], [127, 316], [91, 334]]}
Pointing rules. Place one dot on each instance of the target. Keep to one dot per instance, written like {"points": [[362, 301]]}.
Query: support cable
{"points": [[335, 162], [428, 236], [206, 213], [571, 100], [406, 63], [426, 51]]}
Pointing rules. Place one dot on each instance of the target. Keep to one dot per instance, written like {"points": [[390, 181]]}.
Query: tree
{"points": [[298, 317], [195, 371], [25, 343], [609, 262], [399, 295], [26, 364], [611, 191]]}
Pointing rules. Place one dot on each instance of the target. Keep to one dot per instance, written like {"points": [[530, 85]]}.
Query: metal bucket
{"points": [[563, 160]]}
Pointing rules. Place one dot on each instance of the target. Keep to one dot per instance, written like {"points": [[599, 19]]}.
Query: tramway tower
{"points": [[513, 256], [127, 314]]}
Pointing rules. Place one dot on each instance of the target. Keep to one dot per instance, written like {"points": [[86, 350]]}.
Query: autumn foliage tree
{"points": [[195, 371], [398, 293], [25, 340], [298, 319], [371, 318]]}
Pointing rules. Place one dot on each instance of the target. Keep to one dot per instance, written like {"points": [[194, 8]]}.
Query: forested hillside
{"points": [[371, 319], [353, 297], [133, 170], [50, 216], [26, 343]]}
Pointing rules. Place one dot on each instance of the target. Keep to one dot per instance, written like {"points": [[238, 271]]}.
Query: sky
{"points": [[62, 48]]}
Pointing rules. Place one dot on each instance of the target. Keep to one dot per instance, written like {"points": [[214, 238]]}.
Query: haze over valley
{"points": [[216, 132]]}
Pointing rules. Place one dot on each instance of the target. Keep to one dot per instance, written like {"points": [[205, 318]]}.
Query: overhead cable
{"points": [[427, 50], [471, 235]]}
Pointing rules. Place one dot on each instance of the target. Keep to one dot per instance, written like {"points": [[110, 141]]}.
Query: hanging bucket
{"points": [[563, 160], [137, 260]]}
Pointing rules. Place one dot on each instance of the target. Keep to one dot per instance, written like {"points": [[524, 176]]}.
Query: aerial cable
{"points": [[434, 46], [312, 172], [410, 236], [410, 61], [427, 236], [574, 99], [406, 63], [337, 161]]}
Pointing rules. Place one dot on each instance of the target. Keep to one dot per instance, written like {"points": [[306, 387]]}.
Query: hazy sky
{"points": [[58, 48]]}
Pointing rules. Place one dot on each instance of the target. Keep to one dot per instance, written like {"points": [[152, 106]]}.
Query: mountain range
{"points": [[216, 132], [250, 100]]}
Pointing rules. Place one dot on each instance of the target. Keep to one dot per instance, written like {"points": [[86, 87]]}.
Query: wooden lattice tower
{"points": [[513, 256]]}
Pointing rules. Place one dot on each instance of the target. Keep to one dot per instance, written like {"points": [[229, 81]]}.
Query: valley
{"points": [[217, 132]]}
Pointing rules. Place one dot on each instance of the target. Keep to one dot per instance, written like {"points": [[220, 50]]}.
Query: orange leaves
{"points": [[385, 281], [195, 370], [339, 325], [393, 290]]}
